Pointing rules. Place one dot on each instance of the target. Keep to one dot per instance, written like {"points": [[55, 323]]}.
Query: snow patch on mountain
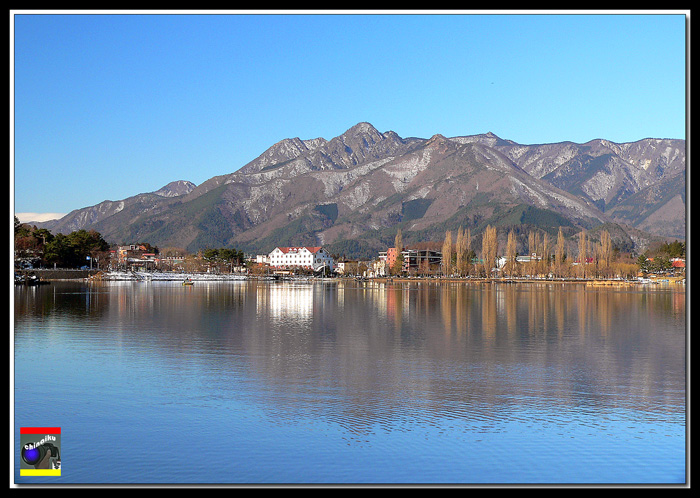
{"points": [[525, 191], [335, 180], [404, 171], [494, 161], [671, 154], [176, 188], [599, 185], [358, 196], [314, 143], [577, 207]]}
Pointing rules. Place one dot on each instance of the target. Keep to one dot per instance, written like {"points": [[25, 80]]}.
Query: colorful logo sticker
{"points": [[40, 451]]}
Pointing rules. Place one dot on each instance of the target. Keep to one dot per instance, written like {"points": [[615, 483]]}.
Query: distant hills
{"points": [[352, 192]]}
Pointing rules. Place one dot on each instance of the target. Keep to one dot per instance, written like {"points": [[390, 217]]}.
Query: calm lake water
{"points": [[344, 382]]}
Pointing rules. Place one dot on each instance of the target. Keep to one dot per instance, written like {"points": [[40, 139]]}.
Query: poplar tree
{"points": [[468, 250], [511, 251], [489, 249], [559, 256], [533, 249], [459, 249], [582, 254], [447, 253], [398, 244], [544, 262], [605, 252]]}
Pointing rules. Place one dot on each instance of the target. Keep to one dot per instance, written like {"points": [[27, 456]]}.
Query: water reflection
{"points": [[286, 302], [366, 354]]}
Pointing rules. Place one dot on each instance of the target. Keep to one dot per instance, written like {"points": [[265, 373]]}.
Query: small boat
{"points": [[188, 282]]}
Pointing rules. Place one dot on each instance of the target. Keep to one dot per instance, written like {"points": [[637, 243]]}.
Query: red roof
{"points": [[310, 249]]}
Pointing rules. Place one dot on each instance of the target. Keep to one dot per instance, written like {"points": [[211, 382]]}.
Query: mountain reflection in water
{"points": [[397, 366]]}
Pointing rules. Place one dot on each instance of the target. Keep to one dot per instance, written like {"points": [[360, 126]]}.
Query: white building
{"points": [[300, 257], [379, 266]]}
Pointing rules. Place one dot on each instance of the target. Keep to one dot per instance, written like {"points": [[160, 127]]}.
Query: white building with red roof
{"points": [[301, 257]]}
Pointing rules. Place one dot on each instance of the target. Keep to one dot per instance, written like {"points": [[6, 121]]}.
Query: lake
{"points": [[344, 382]]}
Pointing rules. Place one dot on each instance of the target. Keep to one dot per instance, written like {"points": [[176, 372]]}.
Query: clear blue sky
{"points": [[107, 106]]}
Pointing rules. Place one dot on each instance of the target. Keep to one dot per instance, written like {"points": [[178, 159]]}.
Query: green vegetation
{"points": [[213, 229], [66, 251], [223, 258], [328, 210], [543, 218], [660, 264], [299, 232], [354, 249], [414, 209], [673, 249], [658, 260]]}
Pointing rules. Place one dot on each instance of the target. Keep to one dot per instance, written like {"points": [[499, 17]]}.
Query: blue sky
{"points": [[107, 106]]}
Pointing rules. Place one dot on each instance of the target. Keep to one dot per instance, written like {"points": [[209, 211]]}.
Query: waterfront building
{"points": [[313, 258], [419, 260], [414, 260], [528, 258], [136, 257], [378, 267]]}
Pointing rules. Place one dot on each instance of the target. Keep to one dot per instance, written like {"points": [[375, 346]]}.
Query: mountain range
{"points": [[351, 193]]}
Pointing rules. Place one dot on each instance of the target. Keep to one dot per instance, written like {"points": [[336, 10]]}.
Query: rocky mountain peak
{"points": [[363, 127], [284, 150], [362, 133], [173, 189], [437, 138]]}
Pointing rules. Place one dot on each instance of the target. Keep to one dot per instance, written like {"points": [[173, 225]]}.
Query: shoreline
{"points": [[588, 281], [46, 275], [122, 276]]}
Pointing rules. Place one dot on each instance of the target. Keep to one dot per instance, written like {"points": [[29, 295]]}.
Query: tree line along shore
{"points": [[591, 259]]}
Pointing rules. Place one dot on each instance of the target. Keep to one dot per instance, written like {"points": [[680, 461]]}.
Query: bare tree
{"points": [[511, 250], [544, 262], [559, 255], [459, 250], [467, 251], [605, 254], [397, 267], [489, 249], [447, 253], [533, 246], [582, 253]]}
